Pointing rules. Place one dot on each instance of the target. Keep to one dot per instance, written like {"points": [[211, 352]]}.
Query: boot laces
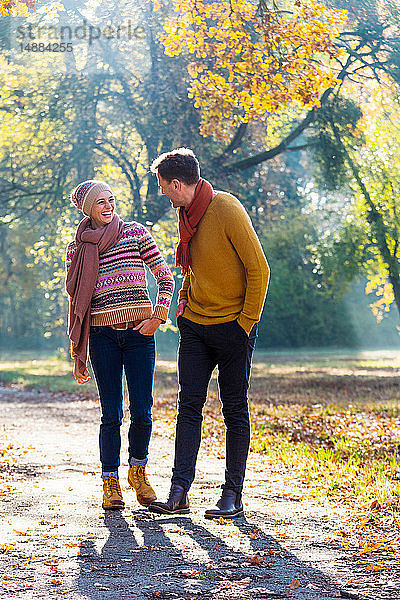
{"points": [[114, 486], [142, 474]]}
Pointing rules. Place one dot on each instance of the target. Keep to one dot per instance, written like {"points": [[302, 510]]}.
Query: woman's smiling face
{"points": [[103, 209]]}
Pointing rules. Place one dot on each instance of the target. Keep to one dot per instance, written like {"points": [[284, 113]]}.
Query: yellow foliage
{"points": [[16, 8], [384, 292], [248, 63]]}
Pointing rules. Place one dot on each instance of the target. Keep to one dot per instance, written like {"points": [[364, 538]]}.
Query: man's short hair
{"points": [[180, 164]]}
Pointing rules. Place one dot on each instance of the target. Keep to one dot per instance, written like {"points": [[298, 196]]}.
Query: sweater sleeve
{"points": [[71, 248], [152, 257], [183, 292], [240, 232]]}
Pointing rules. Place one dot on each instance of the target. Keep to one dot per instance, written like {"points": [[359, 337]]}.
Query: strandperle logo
{"points": [[83, 31], [61, 32]]}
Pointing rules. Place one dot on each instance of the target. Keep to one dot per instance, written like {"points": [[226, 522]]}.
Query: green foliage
{"points": [[331, 169], [300, 311], [366, 235], [61, 122], [108, 110], [339, 249]]}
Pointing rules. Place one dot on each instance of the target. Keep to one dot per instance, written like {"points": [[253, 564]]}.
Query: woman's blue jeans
{"points": [[110, 352]]}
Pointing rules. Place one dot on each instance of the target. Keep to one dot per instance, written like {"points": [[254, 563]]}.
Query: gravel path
{"points": [[55, 539]]}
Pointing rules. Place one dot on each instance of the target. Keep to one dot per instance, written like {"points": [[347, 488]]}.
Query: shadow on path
{"points": [[177, 558]]}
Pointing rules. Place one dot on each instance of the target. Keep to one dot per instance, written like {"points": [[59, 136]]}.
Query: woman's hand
{"points": [[180, 308], [80, 377], [148, 326]]}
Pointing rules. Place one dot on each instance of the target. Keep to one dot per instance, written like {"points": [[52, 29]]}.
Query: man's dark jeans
{"points": [[110, 351], [201, 348]]}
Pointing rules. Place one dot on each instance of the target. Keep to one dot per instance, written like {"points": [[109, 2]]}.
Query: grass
{"points": [[327, 426], [328, 429], [52, 374]]}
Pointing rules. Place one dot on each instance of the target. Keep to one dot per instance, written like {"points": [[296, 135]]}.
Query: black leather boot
{"points": [[177, 502], [229, 506]]}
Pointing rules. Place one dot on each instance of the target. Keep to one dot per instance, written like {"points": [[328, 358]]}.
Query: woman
{"points": [[111, 312]]}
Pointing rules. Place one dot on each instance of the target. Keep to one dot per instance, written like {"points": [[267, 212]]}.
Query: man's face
{"points": [[173, 190]]}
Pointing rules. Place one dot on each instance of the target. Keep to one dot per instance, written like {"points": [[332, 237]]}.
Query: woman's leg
{"points": [[139, 361], [106, 358]]}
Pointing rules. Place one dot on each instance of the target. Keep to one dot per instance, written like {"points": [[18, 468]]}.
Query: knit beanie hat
{"points": [[85, 194]]}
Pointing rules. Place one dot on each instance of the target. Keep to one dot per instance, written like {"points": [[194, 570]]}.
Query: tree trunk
{"points": [[376, 221]]}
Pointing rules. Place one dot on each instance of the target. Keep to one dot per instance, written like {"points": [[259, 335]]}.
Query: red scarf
{"points": [[189, 218], [82, 277]]}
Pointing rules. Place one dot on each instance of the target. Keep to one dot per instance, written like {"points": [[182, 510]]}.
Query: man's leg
{"points": [[195, 366], [235, 350], [233, 380]]}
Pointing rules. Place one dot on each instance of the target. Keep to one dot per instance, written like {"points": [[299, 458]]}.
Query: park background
{"points": [[293, 106], [320, 180]]}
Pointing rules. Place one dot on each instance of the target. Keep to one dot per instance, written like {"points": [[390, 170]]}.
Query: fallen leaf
{"points": [[376, 567], [191, 573], [255, 560], [221, 521]]}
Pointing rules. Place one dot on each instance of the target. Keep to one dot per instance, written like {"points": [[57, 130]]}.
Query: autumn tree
{"points": [[249, 60], [245, 53], [367, 239], [109, 114], [62, 122]]}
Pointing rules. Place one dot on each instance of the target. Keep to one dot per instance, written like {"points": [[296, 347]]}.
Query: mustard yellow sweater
{"points": [[229, 274]]}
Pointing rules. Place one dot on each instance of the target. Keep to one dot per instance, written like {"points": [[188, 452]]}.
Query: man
{"points": [[220, 303]]}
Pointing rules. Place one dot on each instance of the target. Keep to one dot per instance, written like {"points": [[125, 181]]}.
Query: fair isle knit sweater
{"points": [[120, 293]]}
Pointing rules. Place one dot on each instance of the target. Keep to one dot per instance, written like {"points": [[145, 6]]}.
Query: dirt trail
{"points": [[56, 540]]}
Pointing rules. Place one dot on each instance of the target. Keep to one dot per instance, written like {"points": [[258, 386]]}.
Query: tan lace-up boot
{"points": [[137, 479], [112, 495]]}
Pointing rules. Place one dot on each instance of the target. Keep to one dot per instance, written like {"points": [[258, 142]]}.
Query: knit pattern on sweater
{"points": [[121, 292]]}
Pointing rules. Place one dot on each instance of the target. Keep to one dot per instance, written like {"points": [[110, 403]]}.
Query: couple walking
{"points": [[111, 314]]}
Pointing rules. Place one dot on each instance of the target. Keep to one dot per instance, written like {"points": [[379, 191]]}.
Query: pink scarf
{"points": [[82, 277]]}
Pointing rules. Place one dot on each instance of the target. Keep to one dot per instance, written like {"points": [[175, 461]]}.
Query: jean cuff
{"points": [[137, 462], [107, 474], [183, 484]]}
